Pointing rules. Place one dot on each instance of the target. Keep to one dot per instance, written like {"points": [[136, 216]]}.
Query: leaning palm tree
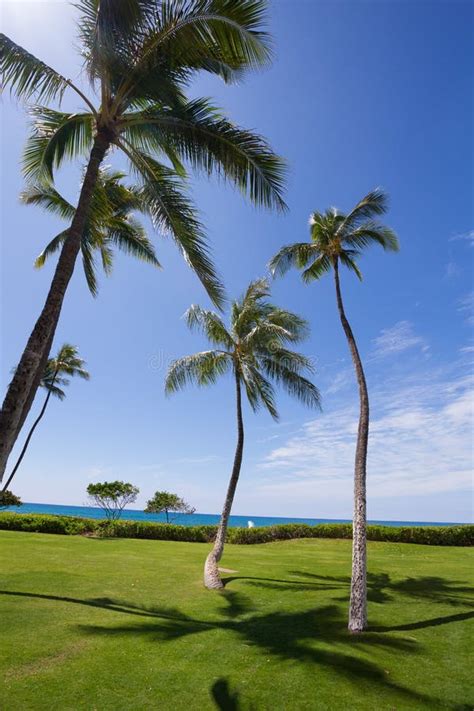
{"points": [[140, 57], [337, 239], [254, 349], [67, 364], [110, 224]]}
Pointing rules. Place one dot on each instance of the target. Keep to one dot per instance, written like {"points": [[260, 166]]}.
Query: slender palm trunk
{"points": [[358, 603], [30, 435], [212, 579], [33, 390], [25, 382]]}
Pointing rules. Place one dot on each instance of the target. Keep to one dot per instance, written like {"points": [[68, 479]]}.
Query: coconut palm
{"points": [[254, 349], [339, 239], [109, 224], [67, 364], [140, 57]]}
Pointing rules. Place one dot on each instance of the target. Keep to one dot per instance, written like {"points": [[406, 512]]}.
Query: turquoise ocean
{"points": [[199, 519]]}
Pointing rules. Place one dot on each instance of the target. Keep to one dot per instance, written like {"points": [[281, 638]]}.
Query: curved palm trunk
{"points": [[33, 390], [25, 382], [30, 435], [358, 603], [212, 579]]}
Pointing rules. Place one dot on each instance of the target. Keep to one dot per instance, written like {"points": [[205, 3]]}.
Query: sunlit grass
{"points": [[127, 624]]}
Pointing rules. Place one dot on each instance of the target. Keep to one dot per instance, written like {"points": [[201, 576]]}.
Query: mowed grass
{"points": [[126, 624]]}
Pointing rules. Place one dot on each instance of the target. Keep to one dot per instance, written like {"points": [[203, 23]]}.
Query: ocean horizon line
{"points": [[196, 519]]}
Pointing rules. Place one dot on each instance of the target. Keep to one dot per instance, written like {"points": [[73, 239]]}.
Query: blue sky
{"points": [[360, 94]]}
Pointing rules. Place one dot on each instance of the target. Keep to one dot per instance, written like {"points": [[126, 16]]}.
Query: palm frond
{"points": [[283, 371], [258, 389], [88, 265], [27, 76], [47, 197], [294, 325], [50, 249], [371, 232], [201, 369], [173, 214], [200, 135], [210, 324], [374, 203], [292, 255], [275, 358], [55, 136], [317, 269], [219, 36], [130, 238], [348, 261]]}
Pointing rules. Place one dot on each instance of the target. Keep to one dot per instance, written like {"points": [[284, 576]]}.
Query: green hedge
{"points": [[70, 525]]}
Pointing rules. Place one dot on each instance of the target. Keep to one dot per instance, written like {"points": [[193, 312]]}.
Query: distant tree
{"points": [[8, 498], [164, 502], [66, 363], [112, 496]]}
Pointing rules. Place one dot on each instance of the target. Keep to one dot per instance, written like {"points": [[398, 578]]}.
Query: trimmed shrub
{"points": [[155, 531], [462, 535], [45, 523]]}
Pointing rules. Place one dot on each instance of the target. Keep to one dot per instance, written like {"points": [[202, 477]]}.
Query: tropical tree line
{"points": [[140, 57]]}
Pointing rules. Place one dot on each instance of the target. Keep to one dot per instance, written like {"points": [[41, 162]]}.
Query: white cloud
{"points": [[465, 236], [421, 444], [466, 305], [397, 339], [340, 381], [452, 270]]}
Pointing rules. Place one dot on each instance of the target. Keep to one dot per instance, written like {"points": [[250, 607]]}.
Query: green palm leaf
{"points": [[255, 347], [49, 199], [27, 76], [173, 214], [200, 135], [200, 369], [56, 136]]}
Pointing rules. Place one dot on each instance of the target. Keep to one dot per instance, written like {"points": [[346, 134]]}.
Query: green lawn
{"points": [[126, 624]]}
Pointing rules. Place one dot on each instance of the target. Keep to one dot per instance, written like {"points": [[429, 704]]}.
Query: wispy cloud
{"points": [[397, 339], [340, 381], [466, 306], [452, 270], [467, 236], [420, 443]]}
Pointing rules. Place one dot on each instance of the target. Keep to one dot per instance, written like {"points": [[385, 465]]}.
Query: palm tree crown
{"points": [[110, 223], [140, 57], [336, 237], [254, 348], [66, 364]]}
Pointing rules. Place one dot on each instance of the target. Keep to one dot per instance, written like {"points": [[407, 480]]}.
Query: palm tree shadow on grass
{"points": [[318, 636], [380, 587], [291, 636]]}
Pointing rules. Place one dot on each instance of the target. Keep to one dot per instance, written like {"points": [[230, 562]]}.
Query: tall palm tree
{"points": [[339, 239], [66, 363], [110, 224], [140, 57], [254, 349]]}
